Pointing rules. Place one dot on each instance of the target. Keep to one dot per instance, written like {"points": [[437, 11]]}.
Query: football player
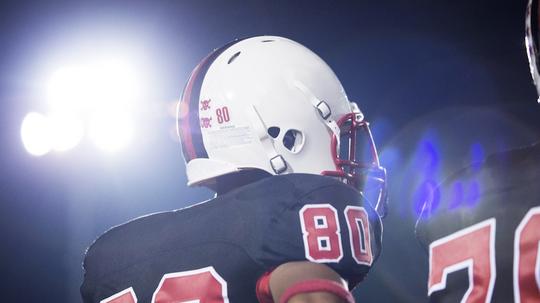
{"points": [[266, 124], [489, 252]]}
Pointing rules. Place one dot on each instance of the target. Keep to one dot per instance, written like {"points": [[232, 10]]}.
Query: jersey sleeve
{"points": [[196, 245], [108, 263], [95, 286], [327, 222]]}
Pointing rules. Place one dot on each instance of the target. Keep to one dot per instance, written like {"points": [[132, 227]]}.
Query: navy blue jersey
{"points": [[483, 237], [216, 251]]}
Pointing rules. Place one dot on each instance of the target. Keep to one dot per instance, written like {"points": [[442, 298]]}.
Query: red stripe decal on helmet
{"points": [[184, 128], [188, 124]]}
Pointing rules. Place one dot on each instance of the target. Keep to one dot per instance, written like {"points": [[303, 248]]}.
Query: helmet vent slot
{"points": [[273, 131], [293, 140], [266, 41], [233, 57]]}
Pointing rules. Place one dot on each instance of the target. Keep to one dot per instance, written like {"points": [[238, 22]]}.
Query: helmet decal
{"points": [[188, 123]]}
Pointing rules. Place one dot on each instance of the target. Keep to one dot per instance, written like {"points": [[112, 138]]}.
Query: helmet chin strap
{"points": [[277, 162], [322, 108]]}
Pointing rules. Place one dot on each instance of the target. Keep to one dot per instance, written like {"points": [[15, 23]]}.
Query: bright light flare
{"points": [[93, 86], [66, 130], [35, 134], [60, 132], [95, 95], [67, 88], [112, 130]]}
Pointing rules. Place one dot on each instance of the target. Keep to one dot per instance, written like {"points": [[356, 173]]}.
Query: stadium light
{"points": [[35, 134], [60, 132], [66, 88], [111, 130], [93, 86], [66, 130], [96, 96], [104, 91]]}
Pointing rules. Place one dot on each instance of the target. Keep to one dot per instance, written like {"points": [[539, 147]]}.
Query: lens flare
{"points": [[111, 130], [36, 134], [66, 130]]}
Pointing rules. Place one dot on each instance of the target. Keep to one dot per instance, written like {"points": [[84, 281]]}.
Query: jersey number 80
{"points": [[322, 234]]}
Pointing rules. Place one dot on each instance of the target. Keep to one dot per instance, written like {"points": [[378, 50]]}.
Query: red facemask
{"points": [[357, 161]]}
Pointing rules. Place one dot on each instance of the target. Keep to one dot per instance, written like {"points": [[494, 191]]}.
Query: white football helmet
{"points": [[268, 103], [532, 24]]}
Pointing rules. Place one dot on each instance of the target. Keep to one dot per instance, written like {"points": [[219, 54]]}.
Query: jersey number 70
{"points": [[474, 248]]}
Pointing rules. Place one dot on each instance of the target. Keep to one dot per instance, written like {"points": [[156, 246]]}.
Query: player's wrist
{"points": [[263, 292], [317, 290], [315, 297]]}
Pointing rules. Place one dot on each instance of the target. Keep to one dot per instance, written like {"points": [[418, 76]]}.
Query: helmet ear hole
{"points": [[273, 131], [293, 140]]}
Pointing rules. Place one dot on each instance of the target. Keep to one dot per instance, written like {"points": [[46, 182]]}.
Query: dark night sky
{"points": [[441, 81]]}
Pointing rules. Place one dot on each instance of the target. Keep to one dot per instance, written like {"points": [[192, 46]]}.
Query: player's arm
{"points": [[307, 282]]}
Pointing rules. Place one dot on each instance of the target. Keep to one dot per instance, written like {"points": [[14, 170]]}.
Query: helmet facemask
{"points": [[357, 161]]}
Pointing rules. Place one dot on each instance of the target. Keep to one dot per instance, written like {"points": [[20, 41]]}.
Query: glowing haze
{"points": [[91, 96]]}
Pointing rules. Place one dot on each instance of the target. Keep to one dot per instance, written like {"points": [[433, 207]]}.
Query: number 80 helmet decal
{"points": [[269, 103]]}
